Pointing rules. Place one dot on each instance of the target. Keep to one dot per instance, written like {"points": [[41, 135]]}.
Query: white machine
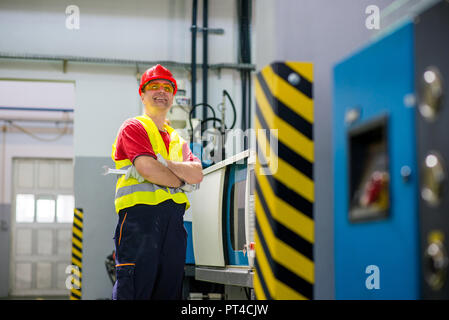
{"points": [[223, 221]]}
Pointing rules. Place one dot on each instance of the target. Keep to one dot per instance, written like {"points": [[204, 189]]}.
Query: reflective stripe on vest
{"points": [[146, 186], [130, 192]]}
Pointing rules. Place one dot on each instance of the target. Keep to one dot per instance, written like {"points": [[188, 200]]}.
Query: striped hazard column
{"points": [[77, 255], [284, 266]]}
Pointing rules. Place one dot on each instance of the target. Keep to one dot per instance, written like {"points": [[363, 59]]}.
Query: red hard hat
{"points": [[157, 72]]}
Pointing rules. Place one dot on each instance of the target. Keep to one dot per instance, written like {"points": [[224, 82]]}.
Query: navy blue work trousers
{"points": [[150, 249]]}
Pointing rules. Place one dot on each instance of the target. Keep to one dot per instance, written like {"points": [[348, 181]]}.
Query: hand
{"points": [[133, 173], [189, 187]]}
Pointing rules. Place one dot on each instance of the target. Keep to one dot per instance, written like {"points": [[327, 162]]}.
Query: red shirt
{"points": [[133, 141]]}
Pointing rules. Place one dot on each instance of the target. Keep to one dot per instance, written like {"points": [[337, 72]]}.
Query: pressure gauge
{"points": [[431, 93], [433, 178], [436, 265]]}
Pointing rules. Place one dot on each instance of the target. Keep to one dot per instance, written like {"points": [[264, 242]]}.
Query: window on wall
{"points": [[31, 208], [25, 208], [65, 205], [45, 210]]}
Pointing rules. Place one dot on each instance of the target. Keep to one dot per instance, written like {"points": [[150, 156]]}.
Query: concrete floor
{"points": [[37, 298]]}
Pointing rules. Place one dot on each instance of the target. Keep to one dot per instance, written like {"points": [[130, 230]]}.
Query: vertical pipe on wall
{"points": [[244, 111], [240, 60], [244, 18], [3, 180], [248, 53], [205, 53], [193, 58]]}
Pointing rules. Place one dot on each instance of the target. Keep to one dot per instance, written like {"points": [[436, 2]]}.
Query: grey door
{"points": [[42, 216]]}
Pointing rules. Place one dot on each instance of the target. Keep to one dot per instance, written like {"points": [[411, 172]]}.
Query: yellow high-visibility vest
{"points": [[130, 192]]}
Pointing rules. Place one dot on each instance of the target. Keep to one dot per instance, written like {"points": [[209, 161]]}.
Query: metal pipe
{"points": [[244, 15], [3, 180], [40, 130], [223, 122], [237, 66], [36, 114], [249, 8], [29, 119], [205, 53], [110, 61], [36, 109], [193, 58], [243, 79]]}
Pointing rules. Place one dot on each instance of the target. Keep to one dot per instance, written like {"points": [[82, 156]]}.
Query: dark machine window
{"points": [[252, 182], [368, 171], [237, 217]]}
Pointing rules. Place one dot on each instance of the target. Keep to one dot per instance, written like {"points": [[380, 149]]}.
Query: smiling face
{"points": [[158, 96]]}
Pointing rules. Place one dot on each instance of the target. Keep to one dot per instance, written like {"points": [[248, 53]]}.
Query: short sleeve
{"points": [[133, 141]]}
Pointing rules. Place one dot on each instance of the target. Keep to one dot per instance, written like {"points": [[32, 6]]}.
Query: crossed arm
{"points": [[190, 172], [174, 175]]}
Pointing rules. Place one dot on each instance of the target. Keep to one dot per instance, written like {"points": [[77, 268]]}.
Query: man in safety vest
{"points": [[150, 238]]}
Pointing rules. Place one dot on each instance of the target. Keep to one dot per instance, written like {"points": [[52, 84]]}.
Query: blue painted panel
{"points": [[237, 173], [376, 79], [190, 258]]}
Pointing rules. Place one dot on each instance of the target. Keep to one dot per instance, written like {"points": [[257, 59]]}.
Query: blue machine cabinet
{"points": [[375, 171], [391, 151]]}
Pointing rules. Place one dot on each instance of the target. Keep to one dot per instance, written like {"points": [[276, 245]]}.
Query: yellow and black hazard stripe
{"points": [[284, 182], [77, 254]]}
